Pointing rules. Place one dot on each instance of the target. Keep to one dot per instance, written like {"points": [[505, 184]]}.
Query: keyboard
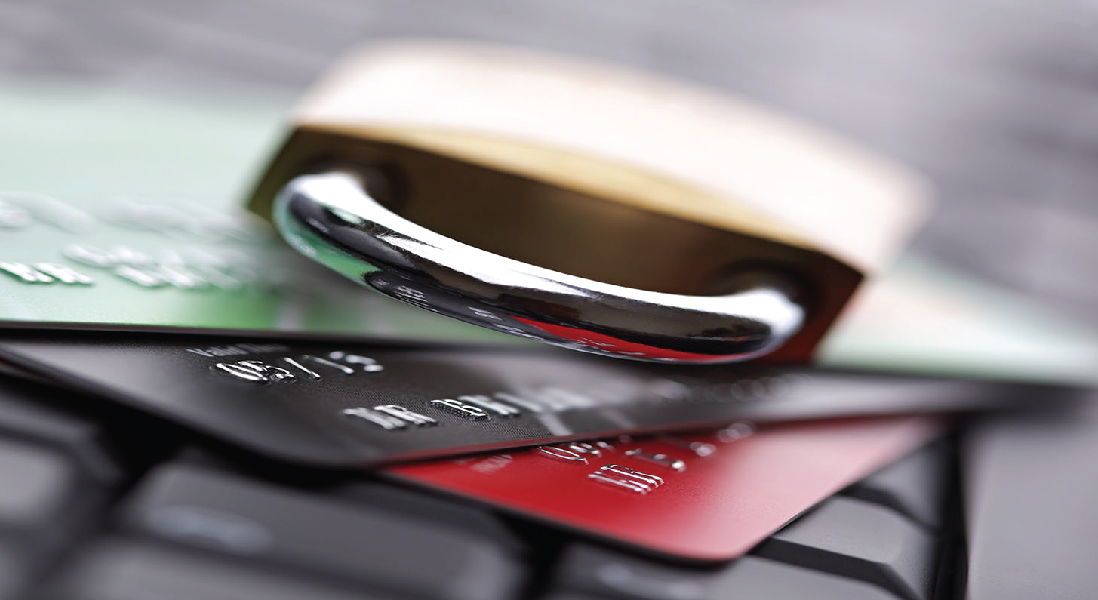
{"points": [[99, 502]]}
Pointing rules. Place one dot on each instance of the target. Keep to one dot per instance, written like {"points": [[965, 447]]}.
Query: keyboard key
{"points": [[1031, 511], [423, 506], [124, 570], [277, 526], [45, 505], [12, 571], [24, 416], [34, 484], [590, 569], [752, 578], [914, 485], [604, 573], [858, 539]]}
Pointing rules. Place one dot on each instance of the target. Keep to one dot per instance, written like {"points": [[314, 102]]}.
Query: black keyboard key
{"points": [[858, 539], [23, 416], [426, 507], [603, 573], [34, 484], [124, 570], [1031, 509], [45, 506], [914, 485], [277, 526], [753, 578], [13, 571], [429, 506]]}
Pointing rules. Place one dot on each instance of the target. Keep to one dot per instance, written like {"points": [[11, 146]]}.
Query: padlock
{"points": [[584, 205]]}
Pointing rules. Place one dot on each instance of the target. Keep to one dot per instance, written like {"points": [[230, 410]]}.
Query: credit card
{"points": [[700, 498], [145, 231], [137, 265], [340, 404]]}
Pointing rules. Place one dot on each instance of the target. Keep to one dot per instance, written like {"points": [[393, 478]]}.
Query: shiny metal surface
{"points": [[330, 218]]}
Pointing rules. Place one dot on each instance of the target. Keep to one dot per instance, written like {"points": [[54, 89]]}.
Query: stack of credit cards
{"points": [[693, 464], [197, 315]]}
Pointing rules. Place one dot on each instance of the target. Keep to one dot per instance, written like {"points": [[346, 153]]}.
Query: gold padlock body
{"points": [[528, 157]]}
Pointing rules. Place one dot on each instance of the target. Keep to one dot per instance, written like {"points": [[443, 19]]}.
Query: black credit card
{"points": [[340, 404]]}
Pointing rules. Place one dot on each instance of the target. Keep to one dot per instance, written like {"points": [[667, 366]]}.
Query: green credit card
{"points": [[123, 211]]}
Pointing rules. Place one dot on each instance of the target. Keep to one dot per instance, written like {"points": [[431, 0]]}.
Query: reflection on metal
{"points": [[332, 219]]}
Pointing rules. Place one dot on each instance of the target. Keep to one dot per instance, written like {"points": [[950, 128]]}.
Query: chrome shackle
{"points": [[331, 218]]}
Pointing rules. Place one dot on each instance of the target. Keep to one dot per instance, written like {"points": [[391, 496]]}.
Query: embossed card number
{"points": [[629, 477], [339, 404], [705, 497], [288, 367], [284, 369]]}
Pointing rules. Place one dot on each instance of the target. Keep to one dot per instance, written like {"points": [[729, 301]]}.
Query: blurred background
{"points": [[996, 100]]}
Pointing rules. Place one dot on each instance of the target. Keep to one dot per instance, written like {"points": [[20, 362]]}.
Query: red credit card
{"points": [[708, 497]]}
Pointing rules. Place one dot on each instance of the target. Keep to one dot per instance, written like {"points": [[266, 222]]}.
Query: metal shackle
{"points": [[331, 218]]}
